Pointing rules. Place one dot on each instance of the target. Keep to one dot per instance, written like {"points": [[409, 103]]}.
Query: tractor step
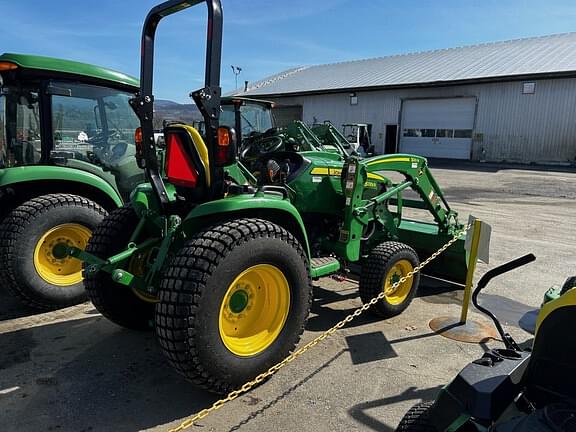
{"points": [[324, 266]]}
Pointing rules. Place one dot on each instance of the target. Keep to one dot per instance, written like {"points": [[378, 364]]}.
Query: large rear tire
{"points": [[29, 238], [417, 419], [385, 265], [233, 302], [119, 303]]}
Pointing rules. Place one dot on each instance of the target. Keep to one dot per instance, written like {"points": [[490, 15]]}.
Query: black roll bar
{"points": [[207, 99]]}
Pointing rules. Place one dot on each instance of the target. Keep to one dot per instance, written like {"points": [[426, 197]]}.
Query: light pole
{"points": [[236, 71]]}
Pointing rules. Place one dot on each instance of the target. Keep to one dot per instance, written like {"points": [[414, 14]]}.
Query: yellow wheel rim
{"points": [[48, 262], [138, 267], [254, 310], [397, 295]]}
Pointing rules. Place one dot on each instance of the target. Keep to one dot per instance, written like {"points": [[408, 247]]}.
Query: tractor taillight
{"points": [[138, 142], [225, 149], [179, 167], [4, 66], [223, 137]]}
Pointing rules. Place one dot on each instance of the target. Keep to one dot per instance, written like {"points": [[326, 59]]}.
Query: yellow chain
{"points": [[246, 387]]}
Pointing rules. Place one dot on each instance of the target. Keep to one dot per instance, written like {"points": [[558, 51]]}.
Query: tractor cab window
{"points": [[227, 116], [93, 124], [253, 118], [93, 129], [120, 116], [19, 128]]}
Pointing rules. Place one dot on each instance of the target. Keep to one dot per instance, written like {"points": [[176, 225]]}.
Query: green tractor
{"points": [[66, 159], [254, 121], [218, 249]]}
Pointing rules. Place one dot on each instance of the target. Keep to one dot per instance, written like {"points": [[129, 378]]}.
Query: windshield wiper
{"points": [[247, 121]]}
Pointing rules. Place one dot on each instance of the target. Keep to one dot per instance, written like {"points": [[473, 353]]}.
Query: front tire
{"points": [[417, 419], [119, 303], [233, 302], [385, 265], [29, 238]]}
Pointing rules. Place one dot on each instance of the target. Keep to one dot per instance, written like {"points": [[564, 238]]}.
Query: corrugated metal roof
{"points": [[552, 54]]}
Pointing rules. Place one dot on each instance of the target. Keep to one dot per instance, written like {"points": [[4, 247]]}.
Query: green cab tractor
{"points": [[255, 123], [66, 159], [219, 247]]}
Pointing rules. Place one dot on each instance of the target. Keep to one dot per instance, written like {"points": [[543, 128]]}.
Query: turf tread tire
{"points": [[186, 280], [116, 302], [374, 270], [15, 227], [417, 419]]}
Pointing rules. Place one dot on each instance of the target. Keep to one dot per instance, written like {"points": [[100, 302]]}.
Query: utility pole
{"points": [[236, 71]]}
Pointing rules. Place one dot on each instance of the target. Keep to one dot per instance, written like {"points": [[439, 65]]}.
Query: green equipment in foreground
{"points": [[66, 158], [220, 254]]}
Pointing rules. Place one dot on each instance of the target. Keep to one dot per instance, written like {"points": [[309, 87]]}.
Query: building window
{"points": [[462, 133], [444, 133], [528, 87], [437, 133], [353, 99], [412, 133], [428, 133]]}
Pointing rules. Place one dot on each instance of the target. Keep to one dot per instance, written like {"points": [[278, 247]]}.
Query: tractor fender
{"points": [[41, 177], [264, 206], [144, 200]]}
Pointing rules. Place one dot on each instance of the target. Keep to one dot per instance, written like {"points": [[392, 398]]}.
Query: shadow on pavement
{"points": [[89, 375], [369, 347], [359, 411], [12, 307], [286, 393], [325, 315]]}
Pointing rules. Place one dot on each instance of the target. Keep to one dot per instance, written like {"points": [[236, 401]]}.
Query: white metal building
{"points": [[504, 101]]}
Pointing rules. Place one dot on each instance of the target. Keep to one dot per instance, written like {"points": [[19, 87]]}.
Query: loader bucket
{"points": [[426, 239]]}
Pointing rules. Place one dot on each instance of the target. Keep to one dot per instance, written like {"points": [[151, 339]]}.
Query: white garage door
{"points": [[439, 128]]}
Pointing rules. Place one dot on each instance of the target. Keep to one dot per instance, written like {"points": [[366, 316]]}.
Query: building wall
{"points": [[509, 126]]}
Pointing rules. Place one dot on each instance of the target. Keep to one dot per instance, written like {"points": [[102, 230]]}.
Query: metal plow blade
{"points": [[451, 265]]}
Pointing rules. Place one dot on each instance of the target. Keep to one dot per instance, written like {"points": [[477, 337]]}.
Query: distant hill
{"points": [[169, 110]]}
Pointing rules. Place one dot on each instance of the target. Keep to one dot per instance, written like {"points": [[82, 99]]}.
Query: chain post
{"points": [[471, 268]]}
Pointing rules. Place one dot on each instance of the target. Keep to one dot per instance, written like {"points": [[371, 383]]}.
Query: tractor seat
{"points": [[551, 375]]}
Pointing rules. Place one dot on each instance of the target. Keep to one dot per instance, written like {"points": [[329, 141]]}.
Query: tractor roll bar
{"points": [[207, 99]]}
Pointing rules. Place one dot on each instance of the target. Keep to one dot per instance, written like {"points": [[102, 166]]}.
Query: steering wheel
{"points": [[261, 146], [101, 138]]}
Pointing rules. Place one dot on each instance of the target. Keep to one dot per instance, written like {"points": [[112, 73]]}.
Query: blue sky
{"points": [[265, 37]]}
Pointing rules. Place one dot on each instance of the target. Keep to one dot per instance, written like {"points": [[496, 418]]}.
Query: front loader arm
{"points": [[361, 212], [416, 171]]}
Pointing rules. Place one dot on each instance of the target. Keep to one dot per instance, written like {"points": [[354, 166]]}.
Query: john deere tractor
{"points": [[253, 119], [219, 255], [66, 158]]}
